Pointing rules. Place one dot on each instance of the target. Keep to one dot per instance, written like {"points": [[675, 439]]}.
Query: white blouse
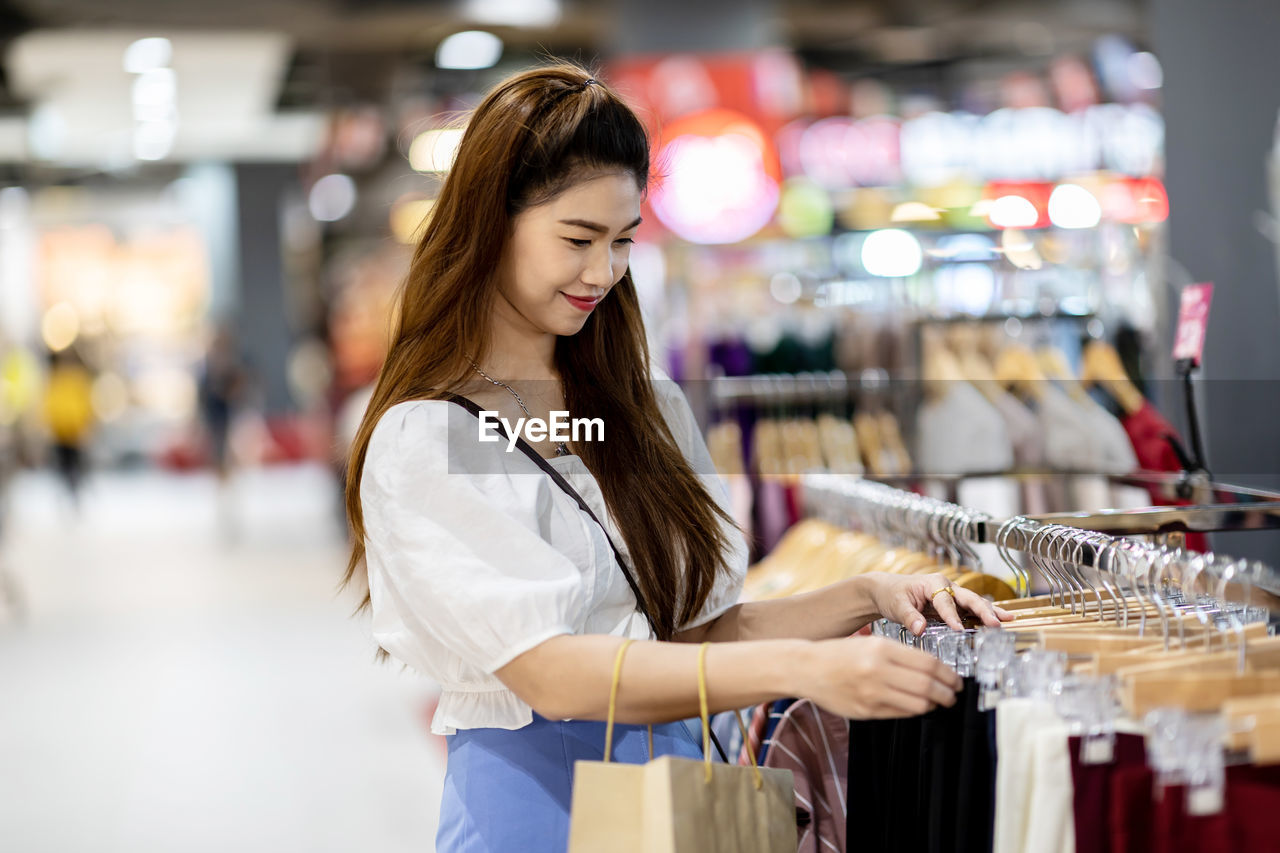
{"points": [[475, 556]]}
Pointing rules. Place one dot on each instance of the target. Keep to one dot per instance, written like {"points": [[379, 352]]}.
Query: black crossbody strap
{"points": [[560, 481]]}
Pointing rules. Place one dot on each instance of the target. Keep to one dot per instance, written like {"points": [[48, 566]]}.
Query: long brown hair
{"points": [[530, 138]]}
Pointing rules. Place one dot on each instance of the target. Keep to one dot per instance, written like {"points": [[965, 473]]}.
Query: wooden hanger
{"points": [[1101, 365], [1053, 362], [1017, 370]]}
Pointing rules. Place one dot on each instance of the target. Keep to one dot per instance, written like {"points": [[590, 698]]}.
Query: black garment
{"points": [[924, 783], [976, 799]]}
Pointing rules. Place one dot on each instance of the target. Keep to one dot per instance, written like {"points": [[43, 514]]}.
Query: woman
{"points": [[488, 575]]}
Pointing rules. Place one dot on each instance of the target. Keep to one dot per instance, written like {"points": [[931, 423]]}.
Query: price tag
{"points": [[1193, 321]]}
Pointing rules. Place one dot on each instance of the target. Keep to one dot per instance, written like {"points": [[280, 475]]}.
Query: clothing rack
{"points": [[780, 388], [1214, 493], [999, 317], [1088, 539]]}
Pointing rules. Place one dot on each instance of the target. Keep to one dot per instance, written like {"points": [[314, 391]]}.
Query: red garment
{"points": [[814, 745], [1144, 818], [1148, 432], [1092, 790], [1132, 812]]}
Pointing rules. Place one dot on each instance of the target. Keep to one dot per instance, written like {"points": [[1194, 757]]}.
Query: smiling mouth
{"points": [[580, 303]]}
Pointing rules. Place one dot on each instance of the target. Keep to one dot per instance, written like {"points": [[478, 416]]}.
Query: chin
{"points": [[569, 329]]}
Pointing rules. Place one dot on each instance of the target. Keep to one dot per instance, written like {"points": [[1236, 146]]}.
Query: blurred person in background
{"points": [[69, 418], [222, 389], [223, 392], [501, 583]]}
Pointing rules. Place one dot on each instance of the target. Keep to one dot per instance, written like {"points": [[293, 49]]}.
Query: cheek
{"points": [[620, 263], [538, 269]]}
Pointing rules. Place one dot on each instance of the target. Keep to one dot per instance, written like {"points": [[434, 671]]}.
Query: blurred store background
{"points": [[206, 210]]}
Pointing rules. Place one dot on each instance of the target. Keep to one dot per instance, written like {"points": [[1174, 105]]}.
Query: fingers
{"points": [[945, 604], [902, 703], [913, 660], [980, 607], [924, 685], [912, 618]]}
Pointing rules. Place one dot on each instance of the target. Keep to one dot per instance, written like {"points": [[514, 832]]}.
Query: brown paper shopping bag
{"points": [[679, 805]]}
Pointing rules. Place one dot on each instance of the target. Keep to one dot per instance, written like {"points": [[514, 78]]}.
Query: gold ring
{"points": [[947, 589]]}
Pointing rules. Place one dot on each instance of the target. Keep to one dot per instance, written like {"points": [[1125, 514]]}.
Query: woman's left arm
{"points": [[843, 608]]}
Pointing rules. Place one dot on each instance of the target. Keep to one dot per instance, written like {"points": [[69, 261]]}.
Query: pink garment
{"points": [[756, 726], [772, 512], [814, 746]]}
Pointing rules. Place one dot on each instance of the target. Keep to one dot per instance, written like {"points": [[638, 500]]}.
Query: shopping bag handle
{"points": [[702, 710], [613, 703], [706, 723]]}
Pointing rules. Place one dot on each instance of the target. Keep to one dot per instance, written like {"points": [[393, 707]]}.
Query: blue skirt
{"points": [[508, 790]]}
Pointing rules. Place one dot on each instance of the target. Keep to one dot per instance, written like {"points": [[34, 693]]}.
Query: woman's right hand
{"points": [[865, 678]]}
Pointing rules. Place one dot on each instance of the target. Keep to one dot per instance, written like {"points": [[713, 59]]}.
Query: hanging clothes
{"points": [[1028, 447], [924, 783], [961, 432], [1149, 433], [1031, 745], [814, 746], [1092, 788]]}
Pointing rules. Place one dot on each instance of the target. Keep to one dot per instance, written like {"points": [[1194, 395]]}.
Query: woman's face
{"points": [[565, 256]]}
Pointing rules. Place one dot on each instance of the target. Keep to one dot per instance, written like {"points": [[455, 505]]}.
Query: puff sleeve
{"points": [[462, 575]]}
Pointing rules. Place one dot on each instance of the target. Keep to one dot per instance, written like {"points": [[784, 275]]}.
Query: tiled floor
{"points": [[172, 688]]}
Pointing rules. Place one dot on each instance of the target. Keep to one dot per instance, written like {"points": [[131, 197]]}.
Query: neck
{"points": [[517, 350]]}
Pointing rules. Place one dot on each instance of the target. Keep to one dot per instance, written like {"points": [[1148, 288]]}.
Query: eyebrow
{"points": [[596, 226]]}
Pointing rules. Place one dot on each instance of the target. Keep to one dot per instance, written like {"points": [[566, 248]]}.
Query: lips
{"points": [[580, 303]]}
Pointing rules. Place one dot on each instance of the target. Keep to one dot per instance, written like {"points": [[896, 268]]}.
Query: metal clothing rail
{"points": [[1082, 539], [895, 510], [820, 387], [1210, 518], [1213, 493]]}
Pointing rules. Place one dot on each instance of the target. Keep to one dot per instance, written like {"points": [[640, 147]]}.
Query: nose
{"points": [[598, 271]]}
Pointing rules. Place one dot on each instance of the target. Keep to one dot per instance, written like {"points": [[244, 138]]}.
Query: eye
{"points": [[626, 241], [580, 244]]}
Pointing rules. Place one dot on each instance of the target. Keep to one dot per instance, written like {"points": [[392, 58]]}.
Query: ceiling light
{"points": [[514, 13], [1073, 206], [157, 87], [892, 253], [1013, 211], [914, 211], [147, 55], [468, 50]]}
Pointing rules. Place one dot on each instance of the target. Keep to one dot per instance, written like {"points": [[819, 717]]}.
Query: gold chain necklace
{"points": [[562, 449]]}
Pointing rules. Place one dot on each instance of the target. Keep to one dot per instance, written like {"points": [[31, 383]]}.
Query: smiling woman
{"points": [[565, 256], [513, 579]]}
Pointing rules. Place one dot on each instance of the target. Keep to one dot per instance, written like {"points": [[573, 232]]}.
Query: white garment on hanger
{"points": [[1033, 797], [960, 432]]}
